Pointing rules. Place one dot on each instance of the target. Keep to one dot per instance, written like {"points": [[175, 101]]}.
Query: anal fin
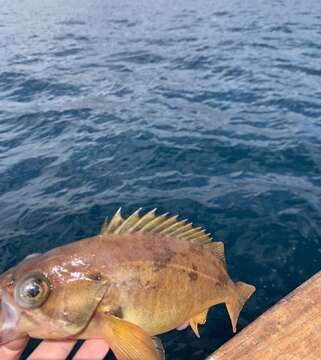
{"points": [[198, 319], [159, 347], [128, 341]]}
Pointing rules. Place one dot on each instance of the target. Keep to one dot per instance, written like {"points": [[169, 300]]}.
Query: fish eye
{"points": [[32, 290]]}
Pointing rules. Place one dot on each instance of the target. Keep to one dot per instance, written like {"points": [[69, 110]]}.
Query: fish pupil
{"points": [[32, 289]]}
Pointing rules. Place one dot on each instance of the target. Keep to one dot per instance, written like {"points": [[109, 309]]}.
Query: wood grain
{"points": [[290, 330]]}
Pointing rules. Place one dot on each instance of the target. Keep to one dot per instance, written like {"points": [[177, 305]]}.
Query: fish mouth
{"points": [[8, 321]]}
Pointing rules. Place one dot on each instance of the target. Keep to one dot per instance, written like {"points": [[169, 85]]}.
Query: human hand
{"points": [[95, 349]]}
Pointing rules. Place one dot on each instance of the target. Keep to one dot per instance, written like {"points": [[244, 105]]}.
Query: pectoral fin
{"points": [[128, 341], [198, 319]]}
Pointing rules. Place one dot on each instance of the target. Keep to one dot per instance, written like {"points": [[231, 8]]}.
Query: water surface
{"points": [[208, 109]]}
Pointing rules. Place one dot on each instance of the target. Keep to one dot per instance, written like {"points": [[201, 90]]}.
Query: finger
{"points": [[13, 349], [95, 349], [52, 350]]}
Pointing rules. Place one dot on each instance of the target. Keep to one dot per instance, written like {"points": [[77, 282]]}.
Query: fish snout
{"points": [[8, 321]]}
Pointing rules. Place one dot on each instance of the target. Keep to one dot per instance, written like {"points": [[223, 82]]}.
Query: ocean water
{"points": [[208, 109]]}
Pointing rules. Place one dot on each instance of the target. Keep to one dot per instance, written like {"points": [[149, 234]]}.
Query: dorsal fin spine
{"points": [[114, 223], [104, 226], [144, 219], [190, 232], [205, 239], [173, 227], [182, 229], [199, 233], [163, 220], [166, 223], [154, 223], [132, 219]]}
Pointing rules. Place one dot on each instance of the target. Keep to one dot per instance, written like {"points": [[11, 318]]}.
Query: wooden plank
{"points": [[290, 330]]}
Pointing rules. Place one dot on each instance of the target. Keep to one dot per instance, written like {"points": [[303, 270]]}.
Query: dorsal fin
{"points": [[162, 224]]}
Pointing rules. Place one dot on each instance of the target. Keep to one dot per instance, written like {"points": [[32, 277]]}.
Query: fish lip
{"points": [[9, 318]]}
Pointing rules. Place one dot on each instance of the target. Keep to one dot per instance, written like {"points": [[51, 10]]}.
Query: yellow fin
{"points": [[217, 248], [182, 229], [128, 341], [151, 223], [167, 223], [191, 233], [115, 222], [173, 227], [241, 293], [148, 217], [104, 226], [159, 347], [198, 319], [201, 239], [125, 226]]}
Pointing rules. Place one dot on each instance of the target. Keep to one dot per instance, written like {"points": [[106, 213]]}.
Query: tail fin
{"points": [[242, 292]]}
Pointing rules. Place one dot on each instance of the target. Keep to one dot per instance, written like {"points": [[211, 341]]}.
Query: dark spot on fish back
{"points": [[194, 267], [193, 275], [163, 258], [222, 278]]}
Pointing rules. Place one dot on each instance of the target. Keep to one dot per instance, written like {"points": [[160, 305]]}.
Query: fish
{"points": [[141, 276]]}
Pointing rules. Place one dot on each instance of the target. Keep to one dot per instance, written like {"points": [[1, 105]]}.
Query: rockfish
{"points": [[140, 277]]}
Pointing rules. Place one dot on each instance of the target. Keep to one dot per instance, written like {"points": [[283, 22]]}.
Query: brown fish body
{"points": [[126, 285], [158, 287]]}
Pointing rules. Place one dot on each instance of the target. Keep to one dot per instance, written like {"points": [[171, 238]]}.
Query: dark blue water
{"points": [[208, 109]]}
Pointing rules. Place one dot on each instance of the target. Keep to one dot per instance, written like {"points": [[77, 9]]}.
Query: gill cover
{"points": [[68, 308], [76, 303]]}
